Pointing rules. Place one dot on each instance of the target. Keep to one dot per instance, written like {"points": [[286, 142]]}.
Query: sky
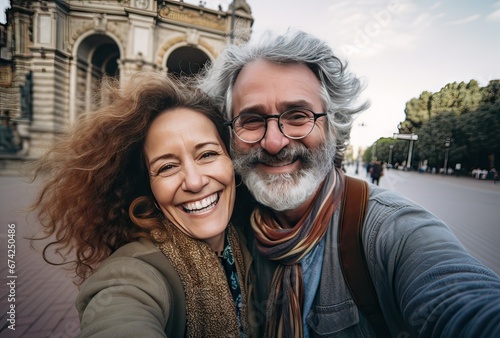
{"points": [[399, 48], [3, 5]]}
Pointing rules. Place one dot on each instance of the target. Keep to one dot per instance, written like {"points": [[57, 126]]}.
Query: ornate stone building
{"points": [[53, 54]]}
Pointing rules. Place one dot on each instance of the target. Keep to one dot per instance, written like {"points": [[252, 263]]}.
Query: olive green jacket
{"points": [[136, 292]]}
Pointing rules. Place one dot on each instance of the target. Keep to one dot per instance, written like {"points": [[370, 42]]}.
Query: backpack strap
{"points": [[352, 255]]}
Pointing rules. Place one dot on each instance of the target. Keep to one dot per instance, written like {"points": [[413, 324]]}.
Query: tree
{"points": [[467, 114], [382, 147], [453, 97], [432, 138], [481, 131], [417, 112]]}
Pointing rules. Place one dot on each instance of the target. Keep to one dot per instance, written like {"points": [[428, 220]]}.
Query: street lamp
{"points": [[390, 154], [446, 148]]}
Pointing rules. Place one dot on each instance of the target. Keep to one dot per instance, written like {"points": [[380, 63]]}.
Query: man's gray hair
{"points": [[340, 88]]}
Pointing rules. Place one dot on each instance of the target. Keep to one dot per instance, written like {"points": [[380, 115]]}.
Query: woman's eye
{"points": [[165, 168], [209, 154]]}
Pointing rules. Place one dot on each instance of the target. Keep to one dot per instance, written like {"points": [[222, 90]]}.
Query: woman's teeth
{"points": [[201, 205]]}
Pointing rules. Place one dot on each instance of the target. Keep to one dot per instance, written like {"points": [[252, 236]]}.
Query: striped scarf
{"points": [[288, 247]]}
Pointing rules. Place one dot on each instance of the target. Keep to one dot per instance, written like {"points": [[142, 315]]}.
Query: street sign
{"points": [[411, 137]]}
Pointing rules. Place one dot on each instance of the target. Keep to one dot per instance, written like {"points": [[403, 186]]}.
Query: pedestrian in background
{"points": [[376, 171], [494, 175]]}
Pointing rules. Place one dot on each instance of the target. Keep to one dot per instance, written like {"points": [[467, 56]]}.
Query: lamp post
{"points": [[446, 148], [361, 124], [390, 154]]}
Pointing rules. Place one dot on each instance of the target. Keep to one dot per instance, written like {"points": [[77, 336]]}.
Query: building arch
{"points": [[180, 57], [95, 55], [186, 60]]}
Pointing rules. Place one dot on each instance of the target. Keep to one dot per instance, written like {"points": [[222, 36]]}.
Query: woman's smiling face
{"points": [[191, 174]]}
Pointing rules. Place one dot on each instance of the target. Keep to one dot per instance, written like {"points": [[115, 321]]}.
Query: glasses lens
{"points": [[297, 123], [249, 127]]}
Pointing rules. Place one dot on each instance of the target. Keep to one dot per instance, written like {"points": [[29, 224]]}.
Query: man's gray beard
{"points": [[285, 191]]}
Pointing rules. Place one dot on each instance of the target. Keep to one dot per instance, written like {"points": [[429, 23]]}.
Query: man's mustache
{"points": [[287, 154]]}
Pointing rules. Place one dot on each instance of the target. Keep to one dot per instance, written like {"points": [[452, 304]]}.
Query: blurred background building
{"points": [[53, 54]]}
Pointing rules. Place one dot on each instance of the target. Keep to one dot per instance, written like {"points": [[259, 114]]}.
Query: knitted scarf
{"points": [[210, 308], [288, 247]]}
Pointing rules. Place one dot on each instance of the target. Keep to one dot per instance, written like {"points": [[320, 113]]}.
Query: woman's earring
{"points": [[241, 181], [156, 205]]}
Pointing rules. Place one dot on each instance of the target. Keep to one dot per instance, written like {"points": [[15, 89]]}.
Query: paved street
{"points": [[44, 294]]}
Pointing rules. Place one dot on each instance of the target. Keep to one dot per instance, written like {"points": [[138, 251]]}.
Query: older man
{"points": [[290, 103]]}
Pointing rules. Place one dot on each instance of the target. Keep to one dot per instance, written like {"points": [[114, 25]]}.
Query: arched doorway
{"points": [[186, 61], [97, 56]]}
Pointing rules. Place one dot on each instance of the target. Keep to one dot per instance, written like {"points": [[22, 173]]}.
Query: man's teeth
{"points": [[280, 164], [202, 205]]}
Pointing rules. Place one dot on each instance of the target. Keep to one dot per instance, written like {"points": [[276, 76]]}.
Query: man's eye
{"points": [[251, 122], [297, 117]]}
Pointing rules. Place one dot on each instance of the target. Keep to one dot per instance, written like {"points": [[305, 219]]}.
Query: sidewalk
{"points": [[43, 295], [393, 177]]}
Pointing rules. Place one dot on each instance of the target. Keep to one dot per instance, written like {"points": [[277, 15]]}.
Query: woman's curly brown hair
{"points": [[96, 196]]}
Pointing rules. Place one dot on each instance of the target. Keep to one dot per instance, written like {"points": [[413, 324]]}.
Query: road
{"points": [[470, 207]]}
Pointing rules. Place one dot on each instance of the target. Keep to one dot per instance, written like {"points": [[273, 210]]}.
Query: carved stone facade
{"points": [[53, 54]]}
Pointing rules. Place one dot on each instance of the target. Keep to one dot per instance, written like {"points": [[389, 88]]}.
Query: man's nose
{"points": [[274, 140]]}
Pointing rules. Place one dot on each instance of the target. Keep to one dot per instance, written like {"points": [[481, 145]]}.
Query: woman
{"points": [[141, 191]]}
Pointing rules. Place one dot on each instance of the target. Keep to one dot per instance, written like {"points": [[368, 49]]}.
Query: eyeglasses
{"points": [[295, 123]]}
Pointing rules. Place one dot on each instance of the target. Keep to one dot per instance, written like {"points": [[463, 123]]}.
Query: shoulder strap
{"points": [[352, 255], [176, 323]]}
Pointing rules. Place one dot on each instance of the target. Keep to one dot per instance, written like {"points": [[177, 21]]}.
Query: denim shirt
{"points": [[428, 285], [312, 264]]}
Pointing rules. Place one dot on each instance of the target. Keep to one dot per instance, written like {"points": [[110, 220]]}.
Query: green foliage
{"points": [[454, 97], [381, 151], [464, 113], [433, 136], [418, 111], [367, 155]]}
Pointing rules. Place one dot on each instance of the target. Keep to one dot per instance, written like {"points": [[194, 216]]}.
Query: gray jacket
{"points": [[426, 282]]}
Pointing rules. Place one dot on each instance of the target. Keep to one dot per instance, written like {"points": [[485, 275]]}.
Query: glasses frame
{"points": [[275, 116]]}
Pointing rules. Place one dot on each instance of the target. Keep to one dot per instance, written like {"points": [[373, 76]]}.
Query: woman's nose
{"points": [[194, 179]]}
